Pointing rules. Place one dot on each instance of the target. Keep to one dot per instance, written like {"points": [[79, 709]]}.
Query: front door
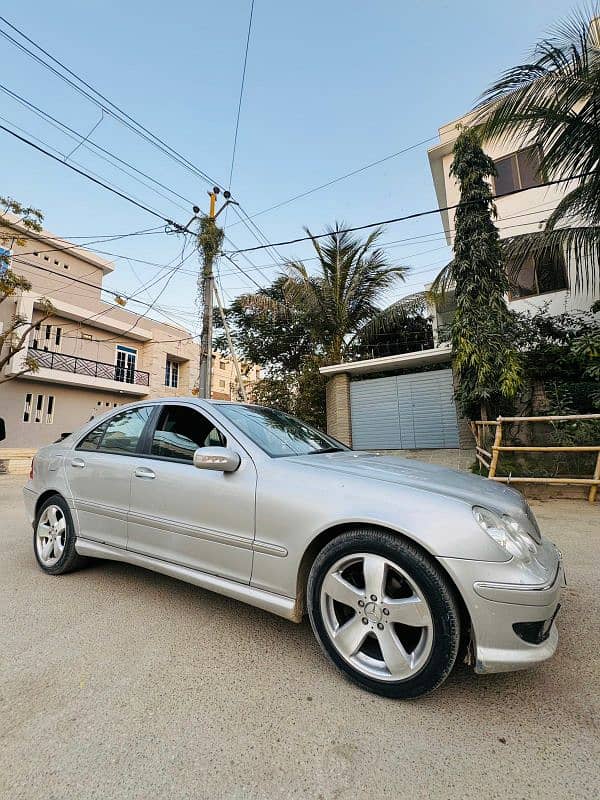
{"points": [[99, 472], [193, 517]]}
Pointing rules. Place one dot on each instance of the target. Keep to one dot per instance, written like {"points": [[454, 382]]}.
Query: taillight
{"points": [[31, 470]]}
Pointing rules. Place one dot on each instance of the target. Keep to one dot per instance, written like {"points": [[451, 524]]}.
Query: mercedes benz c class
{"points": [[402, 567]]}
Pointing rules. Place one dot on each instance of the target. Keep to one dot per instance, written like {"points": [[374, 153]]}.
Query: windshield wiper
{"points": [[326, 450]]}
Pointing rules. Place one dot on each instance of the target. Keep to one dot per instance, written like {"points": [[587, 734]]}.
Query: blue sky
{"points": [[330, 86]]}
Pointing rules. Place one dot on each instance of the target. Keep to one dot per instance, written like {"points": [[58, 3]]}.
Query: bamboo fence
{"points": [[489, 458]]}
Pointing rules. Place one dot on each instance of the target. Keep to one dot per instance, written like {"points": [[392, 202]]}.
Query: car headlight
{"points": [[507, 532]]}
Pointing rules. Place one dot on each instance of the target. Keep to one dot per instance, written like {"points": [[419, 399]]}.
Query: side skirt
{"points": [[274, 603]]}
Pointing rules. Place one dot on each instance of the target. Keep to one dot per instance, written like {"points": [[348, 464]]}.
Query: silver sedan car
{"points": [[402, 567]]}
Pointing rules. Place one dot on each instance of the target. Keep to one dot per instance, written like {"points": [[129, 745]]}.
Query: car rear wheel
{"points": [[54, 538], [384, 613]]}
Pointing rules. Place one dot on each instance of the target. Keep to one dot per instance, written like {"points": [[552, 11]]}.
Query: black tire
{"points": [[69, 560], [444, 641]]}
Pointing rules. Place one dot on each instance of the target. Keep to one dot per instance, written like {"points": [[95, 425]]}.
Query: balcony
{"points": [[103, 375]]}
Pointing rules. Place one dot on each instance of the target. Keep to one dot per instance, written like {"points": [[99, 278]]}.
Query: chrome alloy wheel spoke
{"points": [[397, 660], [350, 636], [376, 616], [410, 611], [339, 589], [375, 571]]}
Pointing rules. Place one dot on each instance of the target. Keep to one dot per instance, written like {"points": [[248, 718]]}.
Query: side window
{"points": [[123, 432], [92, 440], [181, 430]]}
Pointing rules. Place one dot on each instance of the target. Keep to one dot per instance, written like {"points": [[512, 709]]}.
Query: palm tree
{"points": [[555, 101], [340, 299]]}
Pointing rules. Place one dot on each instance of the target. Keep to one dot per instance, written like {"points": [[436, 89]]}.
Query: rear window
{"points": [[120, 434]]}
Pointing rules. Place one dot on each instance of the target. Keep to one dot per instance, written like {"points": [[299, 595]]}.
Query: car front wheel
{"points": [[384, 613]]}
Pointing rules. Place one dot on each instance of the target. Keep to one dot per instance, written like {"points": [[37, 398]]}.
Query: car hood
{"points": [[427, 477]]}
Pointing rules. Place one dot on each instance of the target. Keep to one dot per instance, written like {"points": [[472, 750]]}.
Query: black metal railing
{"points": [[85, 366]]}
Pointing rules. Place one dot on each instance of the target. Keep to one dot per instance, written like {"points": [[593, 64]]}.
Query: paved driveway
{"points": [[116, 682]]}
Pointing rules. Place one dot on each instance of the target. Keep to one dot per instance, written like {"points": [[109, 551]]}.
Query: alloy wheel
{"points": [[50, 535], [377, 617]]}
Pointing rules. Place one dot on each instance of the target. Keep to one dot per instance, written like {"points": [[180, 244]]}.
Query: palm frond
{"points": [[441, 284], [578, 247], [386, 320]]}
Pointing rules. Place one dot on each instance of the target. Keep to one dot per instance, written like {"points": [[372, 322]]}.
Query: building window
{"points": [[39, 405], [47, 338], [125, 366], [518, 171], [222, 384], [36, 337], [50, 410], [538, 277], [171, 373], [222, 364], [27, 408]]}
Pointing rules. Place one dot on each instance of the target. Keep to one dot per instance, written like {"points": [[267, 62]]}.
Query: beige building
{"points": [[537, 285], [407, 401], [92, 355], [224, 381]]}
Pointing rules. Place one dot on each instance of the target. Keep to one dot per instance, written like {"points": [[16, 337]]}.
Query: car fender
{"points": [[296, 506]]}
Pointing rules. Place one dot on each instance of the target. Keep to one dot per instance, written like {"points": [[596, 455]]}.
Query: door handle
{"points": [[144, 472], [78, 462]]}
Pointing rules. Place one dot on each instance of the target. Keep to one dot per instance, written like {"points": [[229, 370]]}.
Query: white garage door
{"points": [[404, 412]]}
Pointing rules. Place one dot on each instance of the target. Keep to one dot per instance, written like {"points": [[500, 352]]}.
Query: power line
{"points": [[88, 176], [111, 108], [61, 158], [241, 270], [342, 177], [80, 281], [239, 108], [259, 234], [388, 245], [149, 308], [82, 244], [88, 144], [425, 237], [415, 215]]}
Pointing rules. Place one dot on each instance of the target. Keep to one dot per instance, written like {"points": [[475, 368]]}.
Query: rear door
{"points": [[99, 472], [193, 517]]}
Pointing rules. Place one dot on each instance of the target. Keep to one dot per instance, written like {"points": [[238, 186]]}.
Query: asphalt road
{"points": [[120, 683]]}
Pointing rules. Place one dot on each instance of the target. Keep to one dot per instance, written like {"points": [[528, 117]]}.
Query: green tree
{"points": [[554, 100], [342, 296], [486, 363], [15, 331], [278, 342], [305, 320]]}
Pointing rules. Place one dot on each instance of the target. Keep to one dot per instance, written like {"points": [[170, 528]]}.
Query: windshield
{"points": [[277, 433]]}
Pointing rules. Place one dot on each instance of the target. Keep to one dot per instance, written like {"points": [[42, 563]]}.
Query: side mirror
{"points": [[2, 430], [221, 459]]}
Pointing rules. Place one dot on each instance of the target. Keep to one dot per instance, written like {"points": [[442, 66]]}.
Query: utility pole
{"points": [[210, 239]]}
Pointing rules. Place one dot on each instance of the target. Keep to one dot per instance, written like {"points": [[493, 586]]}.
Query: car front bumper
{"points": [[496, 607]]}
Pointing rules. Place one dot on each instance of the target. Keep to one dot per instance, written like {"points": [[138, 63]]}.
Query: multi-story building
{"points": [[546, 283], [92, 355], [413, 405], [224, 381]]}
